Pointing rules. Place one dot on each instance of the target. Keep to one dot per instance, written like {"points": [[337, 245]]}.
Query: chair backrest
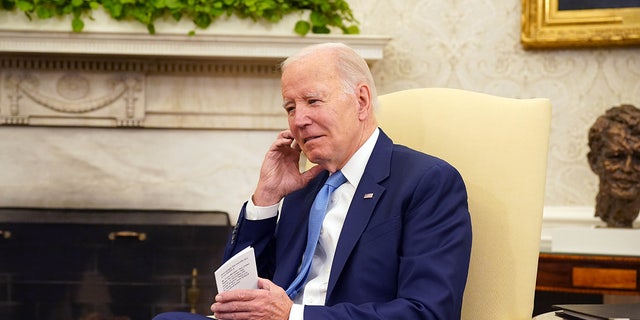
{"points": [[500, 146]]}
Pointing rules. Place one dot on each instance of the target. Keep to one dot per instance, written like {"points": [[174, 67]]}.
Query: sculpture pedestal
{"points": [[596, 240]]}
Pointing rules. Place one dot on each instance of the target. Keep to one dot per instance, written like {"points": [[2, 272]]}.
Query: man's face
{"points": [[323, 118], [620, 171]]}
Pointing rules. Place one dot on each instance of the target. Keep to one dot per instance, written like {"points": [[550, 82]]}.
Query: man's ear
{"points": [[365, 106]]}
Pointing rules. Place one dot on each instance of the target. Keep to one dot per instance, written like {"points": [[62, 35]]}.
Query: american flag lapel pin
{"points": [[368, 195]]}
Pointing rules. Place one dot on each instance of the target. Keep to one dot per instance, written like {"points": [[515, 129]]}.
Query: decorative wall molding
{"points": [[72, 98]]}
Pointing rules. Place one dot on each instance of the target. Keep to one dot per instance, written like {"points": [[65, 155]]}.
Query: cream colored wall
{"points": [[474, 45]]}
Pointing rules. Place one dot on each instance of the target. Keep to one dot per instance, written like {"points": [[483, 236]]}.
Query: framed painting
{"points": [[580, 23]]}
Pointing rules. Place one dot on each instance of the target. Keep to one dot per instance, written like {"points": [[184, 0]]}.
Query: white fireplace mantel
{"points": [[211, 46], [226, 38], [122, 76]]}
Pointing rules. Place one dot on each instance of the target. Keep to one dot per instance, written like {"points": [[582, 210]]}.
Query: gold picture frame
{"points": [[545, 26]]}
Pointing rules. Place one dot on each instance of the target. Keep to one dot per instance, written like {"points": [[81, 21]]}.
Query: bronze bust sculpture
{"points": [[614, 142]]}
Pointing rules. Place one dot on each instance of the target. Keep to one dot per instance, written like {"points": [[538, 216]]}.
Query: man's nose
{"points": [[301, 117], [628, 164]]}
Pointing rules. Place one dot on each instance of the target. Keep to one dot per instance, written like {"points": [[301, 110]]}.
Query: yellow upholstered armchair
{"points": [[499, 145]]}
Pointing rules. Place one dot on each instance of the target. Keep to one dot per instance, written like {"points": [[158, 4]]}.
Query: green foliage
{"points": [[324, 14]]}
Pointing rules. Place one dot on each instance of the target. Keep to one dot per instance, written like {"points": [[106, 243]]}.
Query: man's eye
{"points": [[314, 101], [288, 107], [615, 157], [613, 154]]}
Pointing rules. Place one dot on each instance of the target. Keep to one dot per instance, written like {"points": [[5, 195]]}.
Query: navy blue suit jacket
{"points": [[402, 254]]}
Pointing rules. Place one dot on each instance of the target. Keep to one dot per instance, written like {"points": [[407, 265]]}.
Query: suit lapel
{"points": [[364, 202]]}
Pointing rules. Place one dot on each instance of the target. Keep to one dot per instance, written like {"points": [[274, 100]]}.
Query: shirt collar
{"points": [[354, 169]]}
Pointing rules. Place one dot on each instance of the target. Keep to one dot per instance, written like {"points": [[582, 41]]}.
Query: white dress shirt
{"points": [[315, 288]]}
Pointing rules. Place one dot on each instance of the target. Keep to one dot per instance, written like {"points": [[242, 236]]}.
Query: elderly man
{"points": [[396, 239]]}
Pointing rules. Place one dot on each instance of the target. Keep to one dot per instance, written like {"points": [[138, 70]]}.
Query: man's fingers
{"points": [[264, 283], [286, 134], [296, 146], [235, 295], [233, 315], [270, 302], [231, 307]]}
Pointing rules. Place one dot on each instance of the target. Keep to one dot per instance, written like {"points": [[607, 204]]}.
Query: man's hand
{"points": [[269, 302], [280, 171]]}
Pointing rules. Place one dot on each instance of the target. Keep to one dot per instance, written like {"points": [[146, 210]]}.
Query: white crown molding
{"points": [[227, 47]]}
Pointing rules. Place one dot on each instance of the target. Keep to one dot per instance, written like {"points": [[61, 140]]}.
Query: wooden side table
{"points": [[592, 274]]}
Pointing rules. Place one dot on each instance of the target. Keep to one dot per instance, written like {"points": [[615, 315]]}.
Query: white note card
{"points": [[239, 272]]}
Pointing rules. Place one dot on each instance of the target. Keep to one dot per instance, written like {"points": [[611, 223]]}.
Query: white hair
{"points": [[352, 68]]}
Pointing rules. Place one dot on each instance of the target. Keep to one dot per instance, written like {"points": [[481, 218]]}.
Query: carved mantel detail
{"points": [[161, 81], [72, 98]]}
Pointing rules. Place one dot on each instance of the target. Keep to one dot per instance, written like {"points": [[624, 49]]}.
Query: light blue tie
{"points": [[316, 216]]}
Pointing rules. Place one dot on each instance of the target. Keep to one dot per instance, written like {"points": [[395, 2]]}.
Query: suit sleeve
{"points": [[256, 233]]}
